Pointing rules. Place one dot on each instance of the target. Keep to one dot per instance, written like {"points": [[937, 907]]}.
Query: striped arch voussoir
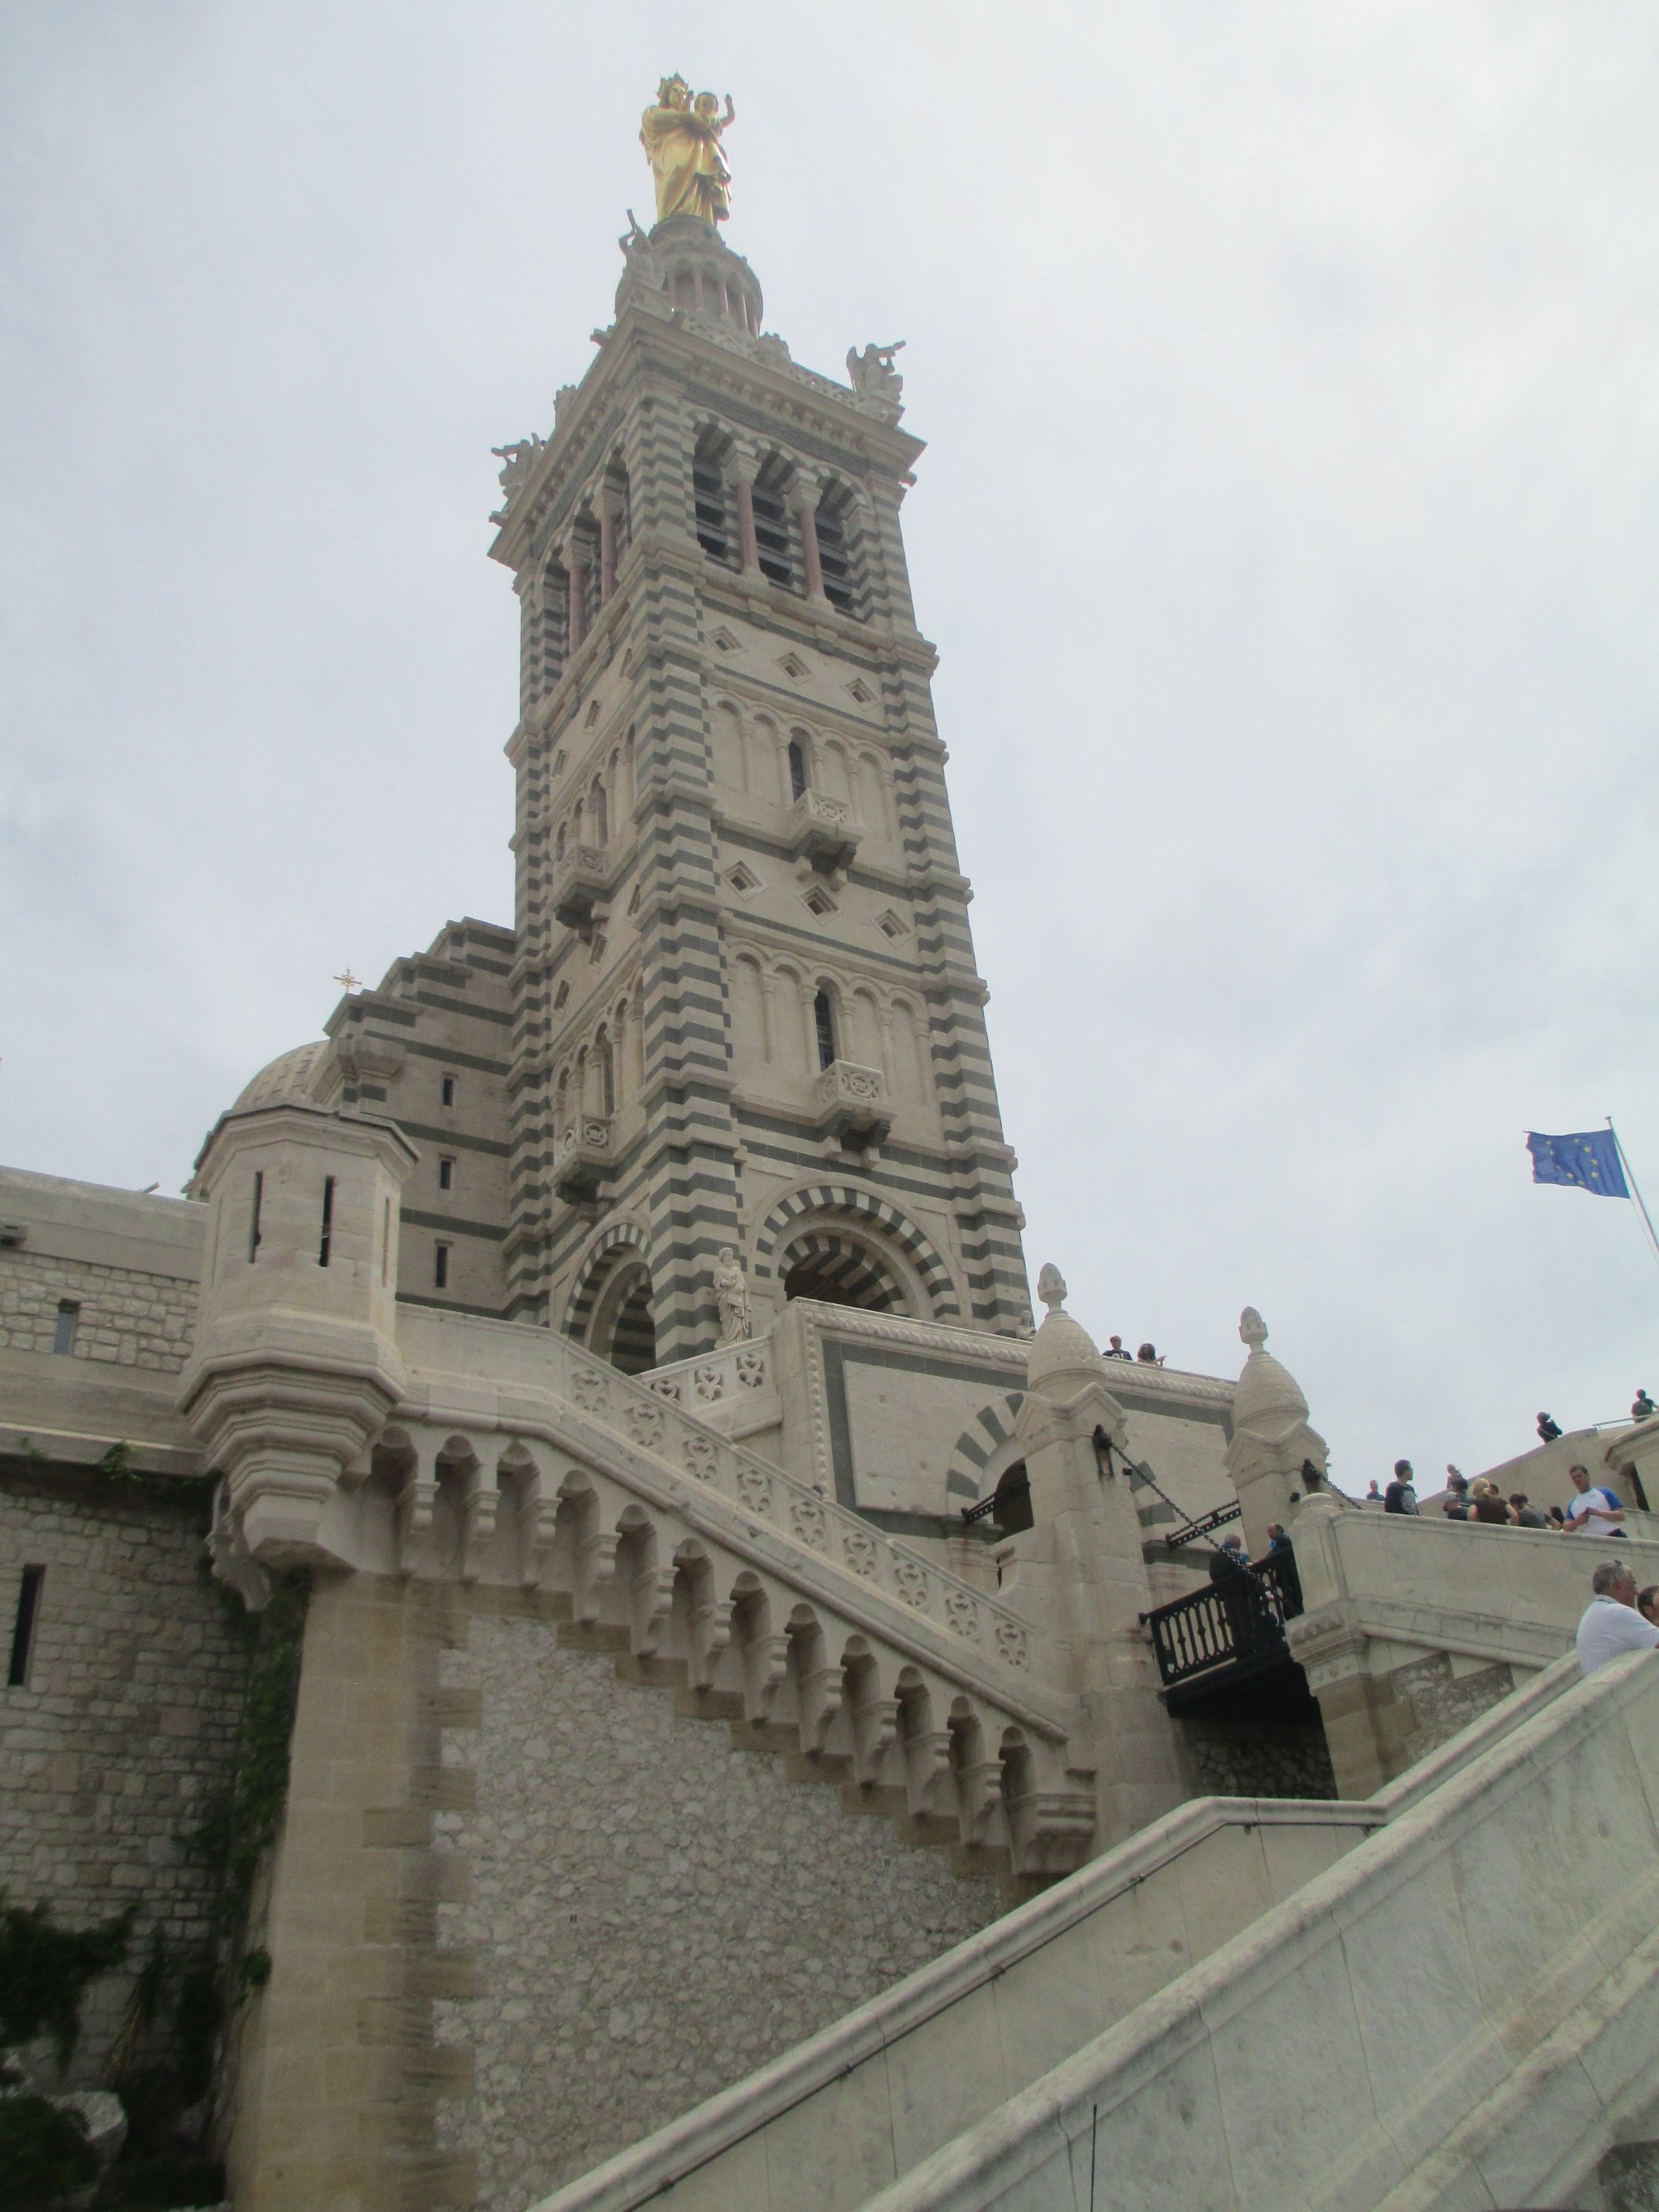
{"points": [[590, 1276], [980, 1442], [859, 1208]]}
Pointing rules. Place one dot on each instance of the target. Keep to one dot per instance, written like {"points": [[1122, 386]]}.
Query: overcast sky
{"points": [[1289, 531]]}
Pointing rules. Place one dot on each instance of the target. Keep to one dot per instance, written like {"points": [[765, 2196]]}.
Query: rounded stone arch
{"points": [[818, 1208], [986, 1449], [610, 1307]]}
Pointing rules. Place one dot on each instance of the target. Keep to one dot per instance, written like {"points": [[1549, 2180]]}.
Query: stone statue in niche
{"points": [[732, 1295]]}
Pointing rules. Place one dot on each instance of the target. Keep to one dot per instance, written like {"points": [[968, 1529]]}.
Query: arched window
{"points": [[771, 537], [797, 768], [619, 499], [598, 814], [558, 843], [607, 1073], [835, 555], [823, 1023], [710, 497], [586, 542], [546, 633]]}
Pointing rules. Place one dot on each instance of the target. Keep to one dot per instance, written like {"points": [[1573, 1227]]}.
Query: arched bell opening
{"points": [[840, 1269]]}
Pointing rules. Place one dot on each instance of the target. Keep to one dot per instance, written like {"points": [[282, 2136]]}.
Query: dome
{"points": [[291, 1079], [1268, 1395], [1062, 1345]]}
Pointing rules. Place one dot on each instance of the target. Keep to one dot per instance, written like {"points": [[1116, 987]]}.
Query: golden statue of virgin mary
{"points": [[682, 140]]}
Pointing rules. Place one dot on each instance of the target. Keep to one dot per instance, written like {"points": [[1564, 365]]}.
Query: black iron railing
{"points": [[1235, 1623]]}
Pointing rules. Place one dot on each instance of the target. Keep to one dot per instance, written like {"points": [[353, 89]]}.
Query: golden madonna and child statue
{"points": [[681, 136]]}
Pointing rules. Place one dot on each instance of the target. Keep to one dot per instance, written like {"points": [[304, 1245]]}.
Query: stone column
{"points": [[578, 566], [806, 513], [748, 543], [1366, 1724], [1081, 1565]]}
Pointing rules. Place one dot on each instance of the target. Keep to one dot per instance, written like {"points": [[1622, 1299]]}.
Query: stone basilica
{"points": [[768, 1731]]}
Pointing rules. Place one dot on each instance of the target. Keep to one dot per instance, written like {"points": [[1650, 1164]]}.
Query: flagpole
{"points": [[1635, 1188]]}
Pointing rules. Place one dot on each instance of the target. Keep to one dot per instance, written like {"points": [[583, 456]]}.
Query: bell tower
{"points": [[745, 1008]]}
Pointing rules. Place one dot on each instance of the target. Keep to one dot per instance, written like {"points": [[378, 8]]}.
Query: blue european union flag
{"points": [[1589, 1158]]}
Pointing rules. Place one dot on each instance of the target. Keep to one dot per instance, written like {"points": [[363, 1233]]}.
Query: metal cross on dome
{"points": [[349, 982]]}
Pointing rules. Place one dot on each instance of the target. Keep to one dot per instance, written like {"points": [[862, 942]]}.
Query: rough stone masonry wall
{"points": [[652, 1913], [1442, 1703], [126, 1319], [127, 1723]]}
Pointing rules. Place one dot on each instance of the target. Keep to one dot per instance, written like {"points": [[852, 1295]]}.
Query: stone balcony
{"points": [[823, 831], [582, 1158], [852, 1103], [581, 879]]}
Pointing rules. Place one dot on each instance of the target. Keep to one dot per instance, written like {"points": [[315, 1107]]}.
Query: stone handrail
{"points": [[845, 2065], [867, 1570], [1529, 2052]]}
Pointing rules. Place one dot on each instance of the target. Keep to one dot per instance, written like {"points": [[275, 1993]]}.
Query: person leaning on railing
{"points": [[1612, 1624]]}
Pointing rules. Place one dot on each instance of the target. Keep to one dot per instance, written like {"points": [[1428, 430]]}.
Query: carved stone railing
{"points": [[582, 1157], [584, 874], [795, 1532], [734, 1373], [822, 830], [851, 1104]]}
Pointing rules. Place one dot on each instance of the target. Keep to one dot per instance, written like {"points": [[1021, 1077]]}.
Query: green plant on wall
{"points": [[45, 1972], [248, 1817]]}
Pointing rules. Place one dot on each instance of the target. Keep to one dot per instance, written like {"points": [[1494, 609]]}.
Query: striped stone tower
{"points": [[746, 1010]]}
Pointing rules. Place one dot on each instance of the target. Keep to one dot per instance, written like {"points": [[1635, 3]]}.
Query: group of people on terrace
{"points": [[1593, 1509]]}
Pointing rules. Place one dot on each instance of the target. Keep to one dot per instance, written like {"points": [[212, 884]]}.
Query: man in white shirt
{"points": [[1594, 1511], [1612, 1625]]}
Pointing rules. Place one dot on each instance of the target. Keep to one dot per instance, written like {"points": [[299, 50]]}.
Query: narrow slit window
{"points": [[386, 1236], [441, 1268], [823, 1016], [449, 1091], [328, 1221], [447, 1172], [22, 1634], [253, 1215], [68, 1319]]}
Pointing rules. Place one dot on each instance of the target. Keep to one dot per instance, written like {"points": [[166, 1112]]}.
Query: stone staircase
{"points": [[1413, 2004], [522, 1459]]}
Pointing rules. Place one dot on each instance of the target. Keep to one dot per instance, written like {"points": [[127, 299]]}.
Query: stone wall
{"points": [[127, 1319], [127, 1723], [1441, 1702], [1252, 1758], [652, 1913]]}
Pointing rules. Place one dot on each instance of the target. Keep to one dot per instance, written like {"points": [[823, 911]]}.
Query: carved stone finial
{"points": [[1051, 1286], [1252, 1329]]}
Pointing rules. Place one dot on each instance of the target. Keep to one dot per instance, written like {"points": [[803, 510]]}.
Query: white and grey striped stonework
{"points": [[711, 1135]]}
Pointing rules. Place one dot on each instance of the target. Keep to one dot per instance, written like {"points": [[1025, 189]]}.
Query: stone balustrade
{"points": [[852, 1103], [582, 1157], [584, 875], [524, 1459], [822, 830], [733, 1374]]}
